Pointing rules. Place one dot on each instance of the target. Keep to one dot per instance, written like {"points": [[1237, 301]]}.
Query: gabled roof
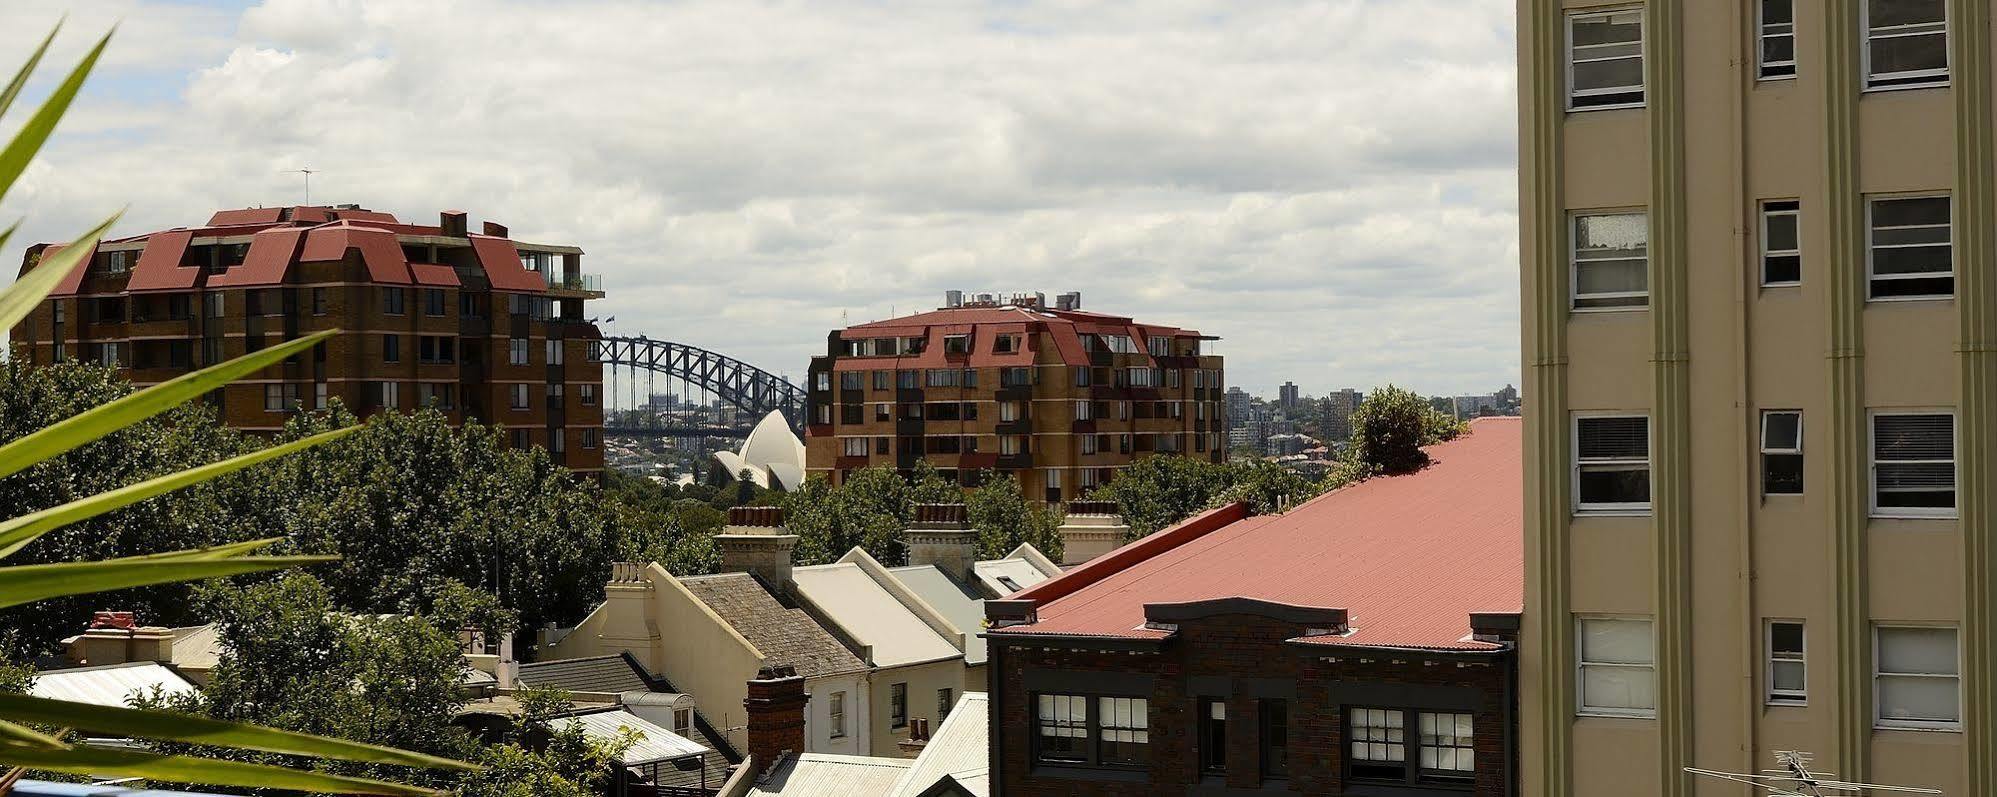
{"points": [[956, 602], [608, 674], [959, 749], [785, 635], [829, 775], [657, 744], [856, 599], [1006, 576], [1408, 559], [110, 684]]}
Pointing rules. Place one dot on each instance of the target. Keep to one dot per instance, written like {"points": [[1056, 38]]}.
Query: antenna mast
{"points": [[1792, 778], [308, 172]]}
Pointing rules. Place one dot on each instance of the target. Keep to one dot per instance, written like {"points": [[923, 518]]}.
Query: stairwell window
{"points": [[1781, 247], [1909, 252], [1786, 682], [1775, 23], [1618, 676], [1605, 60], [1917, 682], [1612, 463], [1913, 464], [1782, 452], [1611, 259], [1906, 44]]}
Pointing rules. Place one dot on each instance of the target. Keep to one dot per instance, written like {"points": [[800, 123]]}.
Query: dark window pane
{"points": [[1615, 486], [1782, 474], [1933, 286], [1782, 268]]}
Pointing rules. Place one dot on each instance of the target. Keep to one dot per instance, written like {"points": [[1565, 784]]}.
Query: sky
{"points": [[1327, 185]]}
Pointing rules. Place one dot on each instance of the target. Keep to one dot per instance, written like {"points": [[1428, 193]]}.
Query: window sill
{"points": [[1785, 704], [1932, 727], [1906, 87], [1775, 79], [1939, 297], [1604, 714], [1581, 512], [1617, 107], [1079, 771], [1795, 284], [1878, 514]]}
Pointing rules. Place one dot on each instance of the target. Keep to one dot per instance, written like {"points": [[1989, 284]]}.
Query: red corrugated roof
{"points": [[270, 256], [1408, 557], [433, 274], [74, 281], [159, 266], [501, 261], [379, 250]]}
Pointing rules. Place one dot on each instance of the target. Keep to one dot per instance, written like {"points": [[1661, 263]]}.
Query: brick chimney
{"points": [[117, 638], [942, 536], [1091, 529], [918, 737], [754, 541], [775, 706]]}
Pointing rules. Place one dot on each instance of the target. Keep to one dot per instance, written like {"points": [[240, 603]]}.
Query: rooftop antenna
{"points": [[308, 172], [1792, 778]]}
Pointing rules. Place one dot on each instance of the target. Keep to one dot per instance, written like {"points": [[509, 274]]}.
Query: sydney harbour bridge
{"points": [[658, 388]]}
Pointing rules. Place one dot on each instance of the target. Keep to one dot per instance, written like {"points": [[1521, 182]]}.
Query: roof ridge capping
{"points": [[1021, 606]]}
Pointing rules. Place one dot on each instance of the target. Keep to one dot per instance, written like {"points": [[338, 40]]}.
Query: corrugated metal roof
{"points": [[37, 788], [958, 605], [658, 744], [872, 615], [109, 685], [959, 748], [196, 647], [828, 775], [1019, 572]]}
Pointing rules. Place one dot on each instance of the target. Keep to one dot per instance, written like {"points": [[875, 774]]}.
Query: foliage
{"points": [[870, 510], [1156, 492], [1390, 427], [1004, 519]]}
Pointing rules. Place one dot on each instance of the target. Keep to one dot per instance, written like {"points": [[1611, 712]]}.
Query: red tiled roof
{"points": [[1409, 557], [270, 255], [159, 267], [223, 218], [74, 280], [1064, 326], [501, 262], [379, 250]]}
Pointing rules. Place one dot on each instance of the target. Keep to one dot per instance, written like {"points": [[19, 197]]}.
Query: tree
{"points": [[1392, 425], [1004, 519], [1158, 491], [870, 510]]}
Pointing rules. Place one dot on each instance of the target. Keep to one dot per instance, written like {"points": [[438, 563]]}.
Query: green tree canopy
{"points": [[1390, 427], [1004, 519]]}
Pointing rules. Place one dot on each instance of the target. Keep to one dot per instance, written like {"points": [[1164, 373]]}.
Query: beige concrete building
{"points": [[1760, 311]]}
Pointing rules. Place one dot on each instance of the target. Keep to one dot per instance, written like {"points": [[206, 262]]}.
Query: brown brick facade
{"points": [[1243, 659]]}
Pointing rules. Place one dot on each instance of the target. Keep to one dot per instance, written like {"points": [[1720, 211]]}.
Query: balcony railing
{"points": [[579, 282]]}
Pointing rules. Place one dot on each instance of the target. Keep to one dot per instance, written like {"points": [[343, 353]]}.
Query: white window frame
{"points": [[1766, 253], [1581, 708], [1865, 35], [1761, 37], [1872, 469], [516, 351], [1871, 201], [1574, 449], [847, 444], [1769, 694], [1084, 410], [836, 711], [1642, 54], [1879, 722], [1574, 264]]}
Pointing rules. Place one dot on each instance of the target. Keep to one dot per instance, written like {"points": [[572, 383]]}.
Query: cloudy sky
{"points": [[1329, 185]]}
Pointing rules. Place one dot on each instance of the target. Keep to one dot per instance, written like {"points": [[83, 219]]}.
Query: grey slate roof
{"points": [[612, 674], [785, 635]]}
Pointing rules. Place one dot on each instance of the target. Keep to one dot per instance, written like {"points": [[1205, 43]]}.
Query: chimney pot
{"points": [[754, 541], [775, 725], [942, 536]]}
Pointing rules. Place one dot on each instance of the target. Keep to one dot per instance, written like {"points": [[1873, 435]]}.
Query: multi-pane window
{"points": [[433, 301], [1775, 23], [391, 348], [854, 446], [586, 394], [1379, 748], [852, 380], [213, 304], [1212, 739], [945, 700], [1918, 681], [1781, 452], [318, 301], [1274, 716], [883, 380], [1605, 59], [1909, 253], [1913, 464], [1781, 244], [589, 438], [1786, 684], [943, 377], [1008, 411], [908, 380], [391, 395], [1063, 728], [1611, 261], [1448, 745], [898, 704], [1011, 444], [1091, 444], [837, 709], [1617, 667], [1906, 43], [392, 301], [516, 351], [1076, 729], [280, 397], [1084, 410], [553, 351], [956, 344], [1125, 724], [1440, 751], [318, 395], [1016, 377], [1612, 463], [518, 394]]}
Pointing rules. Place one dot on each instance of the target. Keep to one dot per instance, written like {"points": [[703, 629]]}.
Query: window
{"points": [[1212, 740], [908, 380], [179, 307], [1617, 675], [898, 704], [554, 395], [945, 700], [956, 344], [318, 301], [428, 393], [589, 438], [1612, 463], [1126, 730], [1913, 464], [213, 304], [1785, 663], [516, 351], [1011, 444], [391, 395], [1008, 411], [854, 446], [837, 709], [558, 441], [1016, 377], [1274, 715], [520, 438], [518, 395], [553, 350], [433, 301], [821, 381], [1906, 43], [1448, 749], [852, 380], [1776, 28], [942, 377], [882, 411], [1083, 410], [318, 395], [1782, 452], [1084, 377], [1918, 677], [391, 348], [1379, 744], [1143, 377], [436, 349], [882, 380], [392, 300], [1158, 345], [970, 377], [1611, 255], [1781, 252], [1091, 444], [211, 351], [1908, 253], [586, 394], [1605, 60], [683, 721], [1062, 722], [1005, 344], [279, 397]]}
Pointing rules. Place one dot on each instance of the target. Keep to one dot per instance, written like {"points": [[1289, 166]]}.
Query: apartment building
{"points": [[1760, 306], [1059, 397], [477, 325]]}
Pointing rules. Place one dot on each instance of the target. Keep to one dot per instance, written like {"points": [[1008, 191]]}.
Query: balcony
{"points": [[579, 283]]}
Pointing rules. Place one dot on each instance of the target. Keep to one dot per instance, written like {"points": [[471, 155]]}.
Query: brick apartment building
{"points": [[479, 325], [1059, 397], [1359, 644]]}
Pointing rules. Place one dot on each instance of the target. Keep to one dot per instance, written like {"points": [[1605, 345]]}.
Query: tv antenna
{"points": [[308, 172], [1792, 778]]}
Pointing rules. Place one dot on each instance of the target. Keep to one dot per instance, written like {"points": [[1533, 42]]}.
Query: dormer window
{"points": [[1005, 344], [957, 344]]}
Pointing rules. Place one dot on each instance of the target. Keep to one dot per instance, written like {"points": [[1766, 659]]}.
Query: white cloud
{"points": [[1327, 185]]}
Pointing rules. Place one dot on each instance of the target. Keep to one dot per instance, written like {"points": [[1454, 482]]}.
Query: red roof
{"points": [[1409, 558], [1064, 326]]}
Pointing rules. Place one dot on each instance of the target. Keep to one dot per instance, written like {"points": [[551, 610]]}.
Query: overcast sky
{"points": [[1329, 186]]}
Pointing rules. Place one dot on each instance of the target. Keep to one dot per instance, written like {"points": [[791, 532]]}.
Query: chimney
{"points": [[754, 542], [495, 229], [942, 536], [1091, 529], [117, 638], [452, 224], [918, 737], [775, 707]]}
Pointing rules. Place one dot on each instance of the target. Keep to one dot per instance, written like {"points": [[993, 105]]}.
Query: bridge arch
{"points": [[744, 386]]}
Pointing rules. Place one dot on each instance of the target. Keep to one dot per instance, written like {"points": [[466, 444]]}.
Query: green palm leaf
{"points": [[146, 724], [110, 762], [17, 300], [18, 532], [99, 421], [12, 733], [215, 551], [30, 583], [14, 159], [21, 78]]}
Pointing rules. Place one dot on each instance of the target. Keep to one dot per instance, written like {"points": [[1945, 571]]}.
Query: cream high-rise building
{"points": [[1759, 267]]}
